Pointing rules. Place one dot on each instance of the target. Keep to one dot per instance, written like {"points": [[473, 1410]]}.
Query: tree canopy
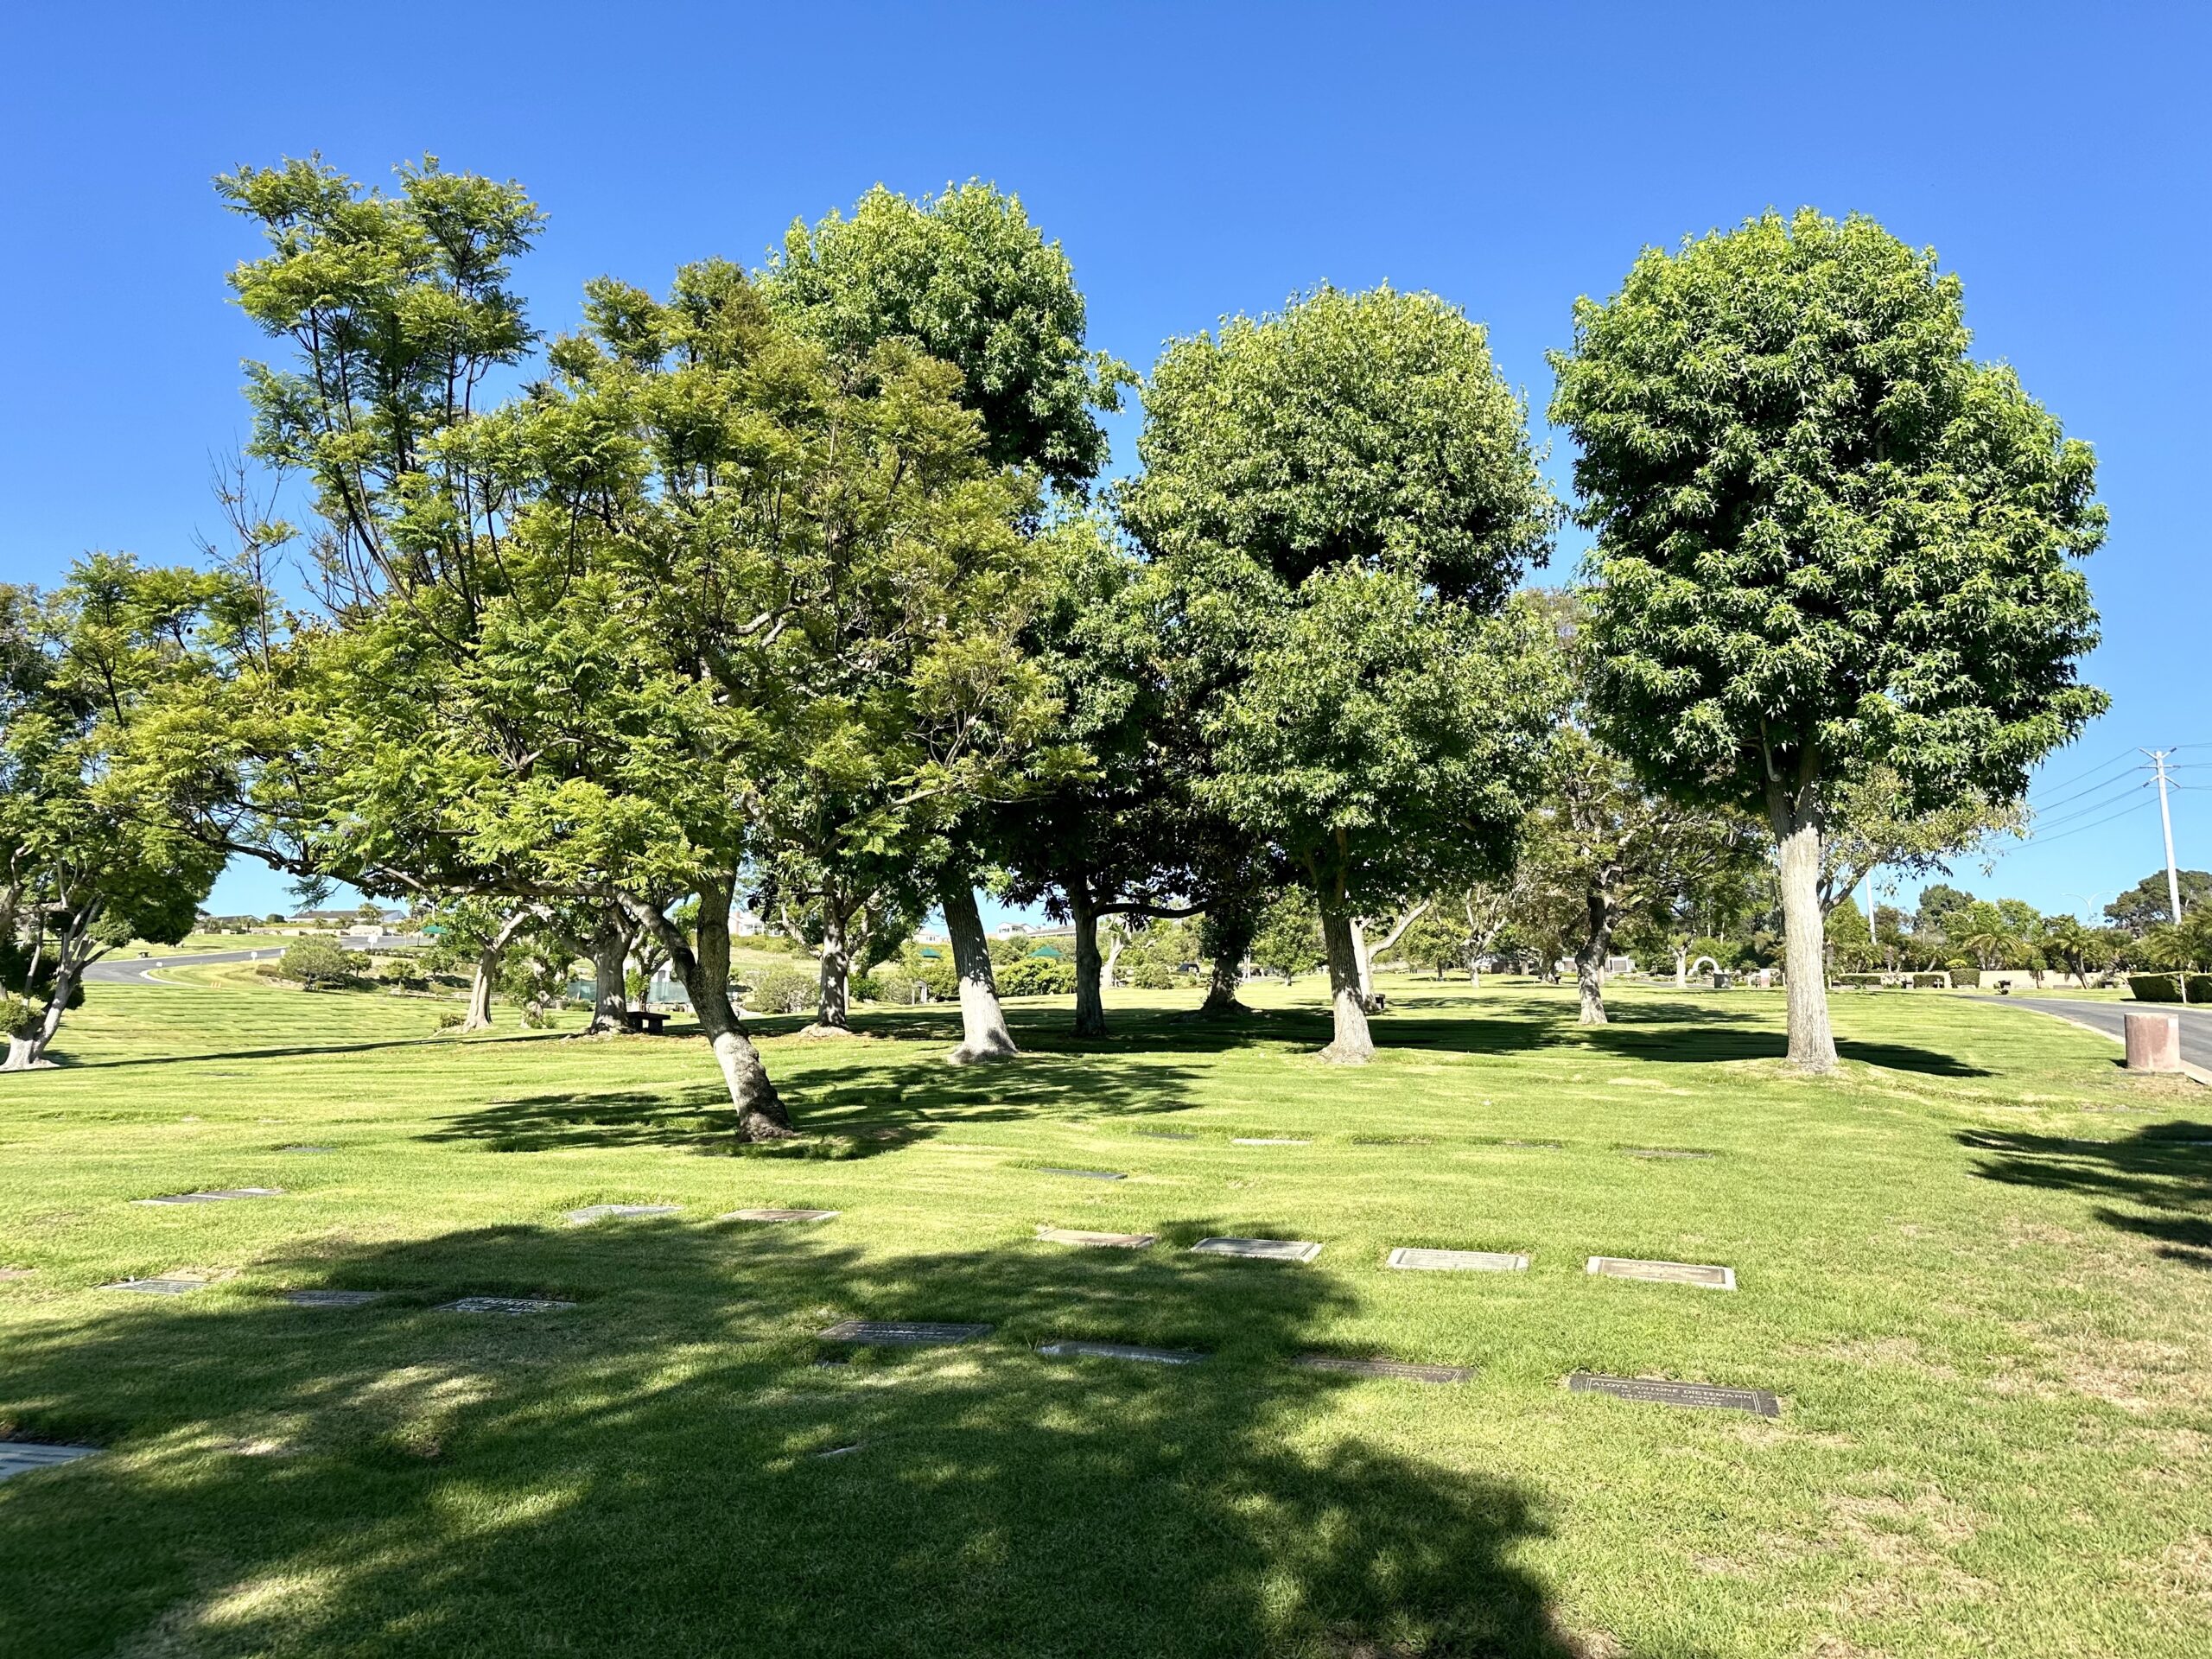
{"points": [[1827, 539], [1342, 495]]}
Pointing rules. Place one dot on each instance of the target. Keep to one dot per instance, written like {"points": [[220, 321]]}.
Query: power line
{"points": [[2100, 766], [2093, 789], [2081, 812], [2132, 806]]}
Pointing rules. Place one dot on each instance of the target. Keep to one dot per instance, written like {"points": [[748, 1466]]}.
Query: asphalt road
{"points": [[133, 970], [2196, 1022]]}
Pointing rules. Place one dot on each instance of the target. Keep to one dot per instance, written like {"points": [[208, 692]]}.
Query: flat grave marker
{"points": [[1097, 1241], [515, 1305], [330, 1298], [16, 1272], [1654, 1391], [1535, 1146], [220, 1195], [21, 1457], [1662, 1152], [1166, 1135], [590, 1213], [1421, 1260], [1266, 1140], [1705, 1275], [1085, 1174], [174, 1285], [1402, 1369], [1122, 1351], [901, 1333], [1260, 1250], [779, 1214], [306, 1148]]}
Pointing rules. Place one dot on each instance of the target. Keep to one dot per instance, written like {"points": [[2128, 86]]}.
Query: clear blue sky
{"points": [[1195, 160]]}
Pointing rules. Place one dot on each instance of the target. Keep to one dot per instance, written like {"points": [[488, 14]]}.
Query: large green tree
{"points": [[96, 848], [967, 278], [600, 641], [1827, 540], [1342, 495], [2147, 904]]}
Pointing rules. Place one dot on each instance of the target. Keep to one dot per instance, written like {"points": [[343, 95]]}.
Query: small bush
{"points": [[449, 1019], [1036, 976], [782, 990], [18, 1015], [1152, 976], [313, 963]]}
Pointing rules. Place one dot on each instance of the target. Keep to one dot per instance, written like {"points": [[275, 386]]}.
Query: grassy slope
{"points": [[1974, 1268]]}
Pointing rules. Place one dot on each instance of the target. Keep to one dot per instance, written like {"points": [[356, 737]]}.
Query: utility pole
{"points": [[2166, 820], [2173, 880]]}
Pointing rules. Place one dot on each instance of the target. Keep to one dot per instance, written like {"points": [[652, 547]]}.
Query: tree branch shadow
{"points": [[667, 1464], [2163, 1169]]}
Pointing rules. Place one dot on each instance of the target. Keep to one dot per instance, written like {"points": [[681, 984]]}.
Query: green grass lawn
{"points": [[1976, 1267]]}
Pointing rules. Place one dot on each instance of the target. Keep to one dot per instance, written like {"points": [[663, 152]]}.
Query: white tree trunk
{"points": [[702, 965], [1362, 962], [982, 1022], [1797, 835], [610, 959], [1350, 1044], [480, 990]]}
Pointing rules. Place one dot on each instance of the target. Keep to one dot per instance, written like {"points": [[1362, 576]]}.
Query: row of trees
{"points": [[1952, 928], [788, 585]]}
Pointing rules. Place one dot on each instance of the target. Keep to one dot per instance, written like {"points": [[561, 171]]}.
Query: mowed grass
{"points": [[1973, 1267]]}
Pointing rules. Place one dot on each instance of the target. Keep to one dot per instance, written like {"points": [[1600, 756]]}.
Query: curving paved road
{"points": [[2108, 1017], [137, 970]]}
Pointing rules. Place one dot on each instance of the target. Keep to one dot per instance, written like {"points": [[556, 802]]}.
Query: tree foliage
{"points": [[1827, 539], [1342, 495]]}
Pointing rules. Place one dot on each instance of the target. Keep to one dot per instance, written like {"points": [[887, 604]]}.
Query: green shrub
{"points": [[1152, 976], [2166, 988], [1036, 976], [782, 990], [313, 963], [18, 1015]]}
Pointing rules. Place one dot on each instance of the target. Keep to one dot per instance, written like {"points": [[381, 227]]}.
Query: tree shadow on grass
{"points": [[292, 1050], [666, 1468], [2163, 1173], [884, 1100]]}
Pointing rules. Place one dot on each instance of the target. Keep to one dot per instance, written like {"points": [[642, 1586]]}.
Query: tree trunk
{"points": [[29, 1054], [1351, 1045], [1121, 938], [982, 1022], [1797, 838], [702, 965], [1682, 970], [833, 1008], [1365, 964], [610, 959], [1233, 920], [480, 990], [1089, 983], [1590, 962]]}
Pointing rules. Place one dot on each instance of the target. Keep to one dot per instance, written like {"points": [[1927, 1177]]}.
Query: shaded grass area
{"points": [[1970, 1266]]}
